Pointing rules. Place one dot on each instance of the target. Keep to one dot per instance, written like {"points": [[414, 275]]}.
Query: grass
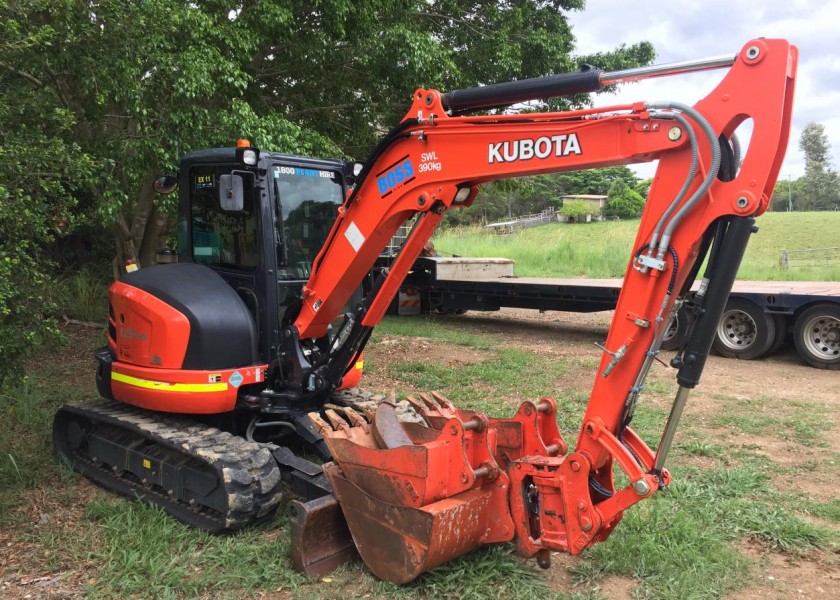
{"points": [[685, 542], [602, 250], [144, 553], [84, 295], [789, 420]]}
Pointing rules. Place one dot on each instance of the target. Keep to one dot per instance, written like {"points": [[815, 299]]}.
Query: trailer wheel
{"points": [[744, 331], [675, 335], [781, 333], [816, 335]]}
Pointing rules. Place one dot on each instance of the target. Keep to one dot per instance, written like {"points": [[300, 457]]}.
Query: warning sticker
{"points": [[235, 379], [354, 236]]}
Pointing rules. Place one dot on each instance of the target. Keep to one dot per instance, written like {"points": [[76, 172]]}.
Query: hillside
{"points": [[601, 250]]}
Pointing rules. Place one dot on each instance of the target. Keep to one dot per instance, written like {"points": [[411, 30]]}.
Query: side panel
{"points": [[174, 390], [145, 330]]}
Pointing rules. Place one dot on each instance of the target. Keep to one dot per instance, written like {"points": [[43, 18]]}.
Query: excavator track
{"points": [[205, 477]]}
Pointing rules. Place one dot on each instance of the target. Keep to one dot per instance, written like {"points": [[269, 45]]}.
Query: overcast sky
{"points": [[684, 31]]}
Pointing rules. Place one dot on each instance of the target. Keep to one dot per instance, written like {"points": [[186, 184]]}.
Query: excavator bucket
{"points": [[415, 496], [320, 539], [398, 543]]}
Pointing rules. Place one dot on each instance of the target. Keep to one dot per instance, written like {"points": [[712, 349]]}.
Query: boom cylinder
{"points": [[511, 92]]}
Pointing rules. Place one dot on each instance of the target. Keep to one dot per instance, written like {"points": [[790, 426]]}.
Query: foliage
{"points": [[512, 198], [822, 184], [643, 187], [576, 210], [819, 188], [40, 174], [623, 201]]}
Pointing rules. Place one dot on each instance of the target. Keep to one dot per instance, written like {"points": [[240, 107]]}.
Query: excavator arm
{"points": [[415, 497]]}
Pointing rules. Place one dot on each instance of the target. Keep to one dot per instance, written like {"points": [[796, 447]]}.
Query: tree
{"points": [[147, 81], [576, 211], [138, 84], [821, 182], [40, 174], [789, 194], [623, 201]]}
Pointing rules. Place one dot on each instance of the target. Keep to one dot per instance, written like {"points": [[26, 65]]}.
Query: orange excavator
{"points": [[205, 337]]}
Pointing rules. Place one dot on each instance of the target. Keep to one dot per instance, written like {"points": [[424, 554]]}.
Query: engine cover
{"points": [[180, 316]]}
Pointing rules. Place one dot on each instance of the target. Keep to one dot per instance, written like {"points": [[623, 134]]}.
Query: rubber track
{"points": [[247, 470]]}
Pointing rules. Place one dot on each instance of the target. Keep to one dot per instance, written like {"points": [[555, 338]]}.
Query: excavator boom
{"points": [[416, 496]]}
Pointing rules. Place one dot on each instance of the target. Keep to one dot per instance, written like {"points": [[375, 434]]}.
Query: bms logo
{"points": [[402, 173]]}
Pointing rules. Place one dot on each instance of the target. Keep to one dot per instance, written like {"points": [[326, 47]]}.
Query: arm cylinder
{"points": [[589, 79]]}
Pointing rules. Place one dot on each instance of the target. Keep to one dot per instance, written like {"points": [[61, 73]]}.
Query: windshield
{"points": [[308, 204]]}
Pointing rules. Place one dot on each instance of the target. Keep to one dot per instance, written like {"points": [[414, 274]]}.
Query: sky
{"points": [[685, 31]]}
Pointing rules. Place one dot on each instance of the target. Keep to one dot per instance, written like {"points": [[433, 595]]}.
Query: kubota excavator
{"points": [[261, 323]]}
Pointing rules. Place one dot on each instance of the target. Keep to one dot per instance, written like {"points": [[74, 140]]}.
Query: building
{"points": [[597, 202]]}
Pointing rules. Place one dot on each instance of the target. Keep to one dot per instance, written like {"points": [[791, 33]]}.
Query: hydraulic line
{"points": [[711, 174], [692, 171], [736, 150]]}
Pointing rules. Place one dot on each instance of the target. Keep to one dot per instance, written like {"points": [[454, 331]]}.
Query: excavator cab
{"points": [[264, 246]]}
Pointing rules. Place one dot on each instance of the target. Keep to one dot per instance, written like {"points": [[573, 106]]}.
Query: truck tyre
{"points": [[781, 333], [816, 336], [744, 331], [675, 335]]}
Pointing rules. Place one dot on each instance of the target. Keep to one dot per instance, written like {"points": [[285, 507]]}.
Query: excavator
{"points": [[229, 375]]}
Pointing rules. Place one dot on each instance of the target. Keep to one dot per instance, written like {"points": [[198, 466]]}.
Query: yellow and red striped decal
{"points": [[163, 386]]}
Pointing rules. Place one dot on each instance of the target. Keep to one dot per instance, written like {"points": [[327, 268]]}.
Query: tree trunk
{"points": [[139, 236]]}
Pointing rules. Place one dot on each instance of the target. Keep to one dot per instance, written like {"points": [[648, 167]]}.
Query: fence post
{"points": [[783, 260]]}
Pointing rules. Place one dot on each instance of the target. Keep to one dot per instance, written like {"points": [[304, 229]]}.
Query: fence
{"points": [[809, 257], [549, 215]]}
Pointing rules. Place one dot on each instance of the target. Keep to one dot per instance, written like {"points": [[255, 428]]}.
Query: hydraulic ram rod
{"points": [[587, 80]]}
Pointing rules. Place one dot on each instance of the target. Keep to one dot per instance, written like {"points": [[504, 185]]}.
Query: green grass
{"points": [[829, 511], [432, 328], [602, 250], [788, 419], [684, 542], [491, 572], [144, 553], [26, 457], [83, 296], [597, 250]]}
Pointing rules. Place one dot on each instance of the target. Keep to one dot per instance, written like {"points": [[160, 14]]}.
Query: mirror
{"points": [[351, 171], [231, 193], [166, 184]]}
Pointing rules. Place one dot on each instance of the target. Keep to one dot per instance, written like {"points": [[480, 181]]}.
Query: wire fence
{"points": [[809, 257], [549, 215]]}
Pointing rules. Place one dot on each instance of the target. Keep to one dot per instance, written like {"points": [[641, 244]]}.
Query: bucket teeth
{"points": [[443, 402], [351, 426], [434, 405], [338, 423], [323, 427], [355, 419]]}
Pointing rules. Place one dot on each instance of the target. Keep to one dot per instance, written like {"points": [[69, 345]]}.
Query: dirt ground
{"points": [[22, 574]]}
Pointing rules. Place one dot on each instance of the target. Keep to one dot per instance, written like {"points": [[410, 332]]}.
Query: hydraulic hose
{"points": [[711, 174], [692, 171]]}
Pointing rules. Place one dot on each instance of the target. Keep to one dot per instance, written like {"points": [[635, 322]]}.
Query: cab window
{"points": [[219, 237], [308, 201]]}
